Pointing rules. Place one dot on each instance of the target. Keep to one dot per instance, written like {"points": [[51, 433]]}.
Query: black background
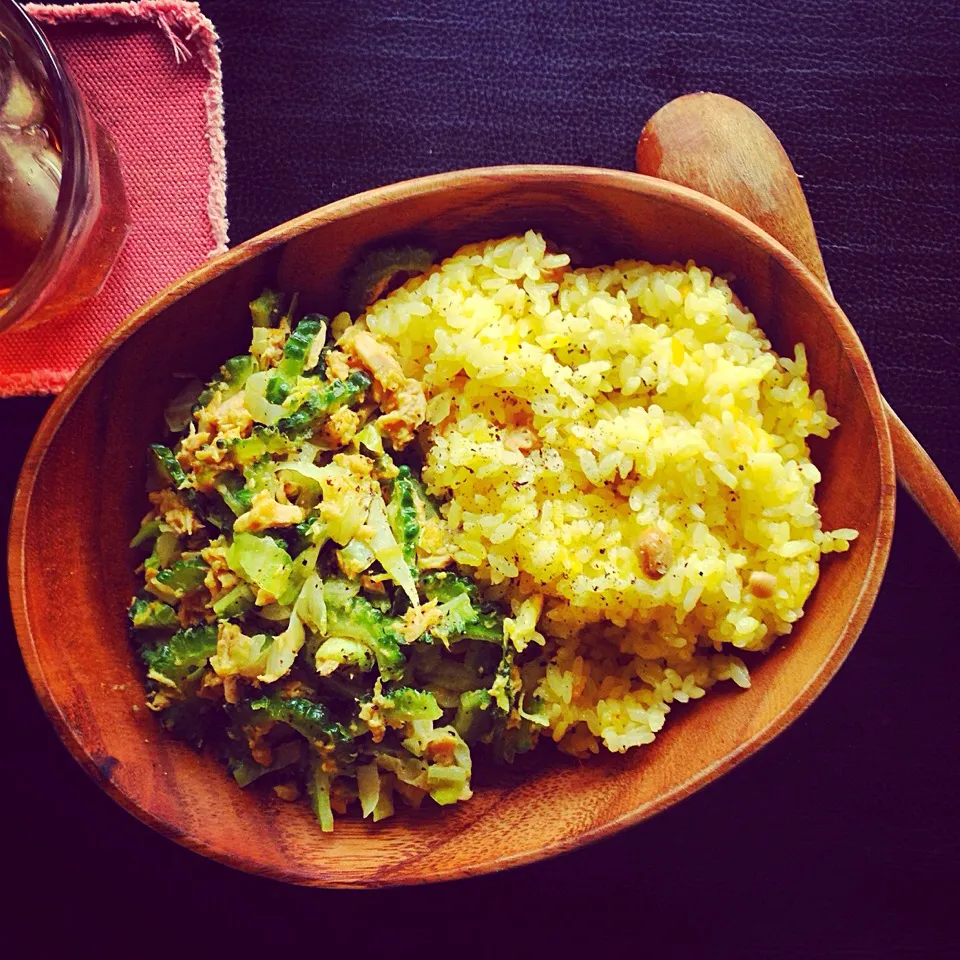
{"points": [[838, 839]]}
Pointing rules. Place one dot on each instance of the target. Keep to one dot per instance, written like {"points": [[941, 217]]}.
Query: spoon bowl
{"points": [[81, 496], [721, 148]]}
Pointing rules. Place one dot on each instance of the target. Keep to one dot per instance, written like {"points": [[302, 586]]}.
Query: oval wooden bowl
{"points": [[81, 496]]}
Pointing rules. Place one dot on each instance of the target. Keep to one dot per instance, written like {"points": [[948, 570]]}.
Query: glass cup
{"points": [[63, 211]]}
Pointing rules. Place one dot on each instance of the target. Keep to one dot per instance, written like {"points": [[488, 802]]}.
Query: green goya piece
{"points": [[265, 310], [358, 619], [474, 717], [233, 375], [168, 469], [463, 615], [322, 401], [246, 770], [295, 351], [186, 652], [234, 492], [309, 719], [402, 514], [236, 371], [443, 586], [406, 703], [149, 614], [234, 603], [149, 531], [183, 576], [262, 442]]}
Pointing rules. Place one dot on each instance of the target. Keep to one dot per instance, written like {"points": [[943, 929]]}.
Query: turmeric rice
{"points": [[580, 420]]}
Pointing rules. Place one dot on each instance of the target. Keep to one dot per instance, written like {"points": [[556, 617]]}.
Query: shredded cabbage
{"points": [[239, 655], [284, 649], [388, 552], [304, 469], [316, 347], [448, 779], [354, 558], [368, 786], [255, 400], [343, 651], [311, 606], [319, 788], [346, 501], [384, 807], [262, 562], [371, 439]]}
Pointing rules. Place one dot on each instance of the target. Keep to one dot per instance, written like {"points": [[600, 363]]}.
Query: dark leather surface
{"points": [[864, 95], [840, 838]]}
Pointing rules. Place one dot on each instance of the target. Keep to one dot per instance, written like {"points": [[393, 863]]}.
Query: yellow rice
{"points": [[655, 403]]}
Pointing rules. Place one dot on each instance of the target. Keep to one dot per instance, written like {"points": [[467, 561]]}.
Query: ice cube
{"points": [[22, 105], [30, 170], [6, 65]]}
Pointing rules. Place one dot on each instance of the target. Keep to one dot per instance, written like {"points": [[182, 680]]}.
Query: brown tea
{"points": [[30, 168]]}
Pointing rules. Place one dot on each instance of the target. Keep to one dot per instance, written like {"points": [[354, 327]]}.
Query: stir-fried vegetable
{"points": [[287, 616], [383, 269], [145, 614], [284, 377], [402, 514], [183, 577], [310, 720], [262, 562], [265, 310], [322, 399], [175, 661], [356, 618], [168, 470]]}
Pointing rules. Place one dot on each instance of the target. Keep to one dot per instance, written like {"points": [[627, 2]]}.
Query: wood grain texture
{"points": [[720, 147], [81, 496]]}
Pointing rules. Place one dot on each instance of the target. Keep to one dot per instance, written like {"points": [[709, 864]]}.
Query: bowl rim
{"points": [[280, 234]]}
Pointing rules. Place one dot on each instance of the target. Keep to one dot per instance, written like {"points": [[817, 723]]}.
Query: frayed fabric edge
{"points": [[167, 14], [35, 383]]}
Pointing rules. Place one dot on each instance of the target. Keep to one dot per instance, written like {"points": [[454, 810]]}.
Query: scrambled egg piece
{"points": [[338, 366], [340, 428], [266, 512], [174, 512], [434, 549], [237, 654], [220, 579], [418, 620], [401, 399], [371, 714], [268, 344], [404, 411]]}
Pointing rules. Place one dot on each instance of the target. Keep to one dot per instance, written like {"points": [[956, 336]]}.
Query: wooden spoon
{"points": [[719, 146]]}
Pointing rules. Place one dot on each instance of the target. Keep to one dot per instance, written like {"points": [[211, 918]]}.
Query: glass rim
{"points": [[77, 164]]}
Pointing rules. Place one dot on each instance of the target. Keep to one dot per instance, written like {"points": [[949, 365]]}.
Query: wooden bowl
{"points": [[81, 495]]}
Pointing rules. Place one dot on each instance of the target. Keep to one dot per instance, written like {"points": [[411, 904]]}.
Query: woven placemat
{"points": [[150, 72]]}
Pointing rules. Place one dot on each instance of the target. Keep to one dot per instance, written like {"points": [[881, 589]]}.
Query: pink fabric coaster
{"points": [[150, 73]]}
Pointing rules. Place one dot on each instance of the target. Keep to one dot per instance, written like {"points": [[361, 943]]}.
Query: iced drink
{"points": [[30, 168], [63, 213]]}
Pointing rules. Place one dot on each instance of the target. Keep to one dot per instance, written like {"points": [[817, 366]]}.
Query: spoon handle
{"points": [[719, 146], [923, 480]]}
